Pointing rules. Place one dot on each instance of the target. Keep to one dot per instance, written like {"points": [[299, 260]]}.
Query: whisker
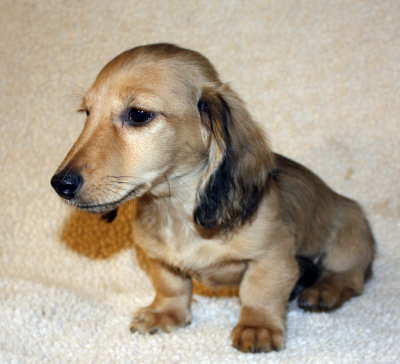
{"points": [[112, 188], [117, 177], [125, 183], [106, 187], [169, 184]]}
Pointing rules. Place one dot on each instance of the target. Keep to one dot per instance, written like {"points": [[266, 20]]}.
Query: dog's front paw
{"points": [[150, 320], [256, 339]]}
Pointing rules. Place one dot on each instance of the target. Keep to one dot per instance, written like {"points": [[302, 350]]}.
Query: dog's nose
{"points": [[67, 183]]}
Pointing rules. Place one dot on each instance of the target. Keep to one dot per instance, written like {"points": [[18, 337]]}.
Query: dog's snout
{"points": [[67, 183]]}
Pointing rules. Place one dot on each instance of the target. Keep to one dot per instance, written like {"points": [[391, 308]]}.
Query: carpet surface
{"points": [[322, 78]]}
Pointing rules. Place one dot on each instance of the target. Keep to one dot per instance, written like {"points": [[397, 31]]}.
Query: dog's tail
{"points": [[309, 274]]}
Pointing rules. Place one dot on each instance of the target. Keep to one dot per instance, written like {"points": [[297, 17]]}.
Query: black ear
{"points": [[239, 163]]}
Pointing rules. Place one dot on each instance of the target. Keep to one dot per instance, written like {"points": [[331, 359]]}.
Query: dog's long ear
{"points": [[239, 162]]}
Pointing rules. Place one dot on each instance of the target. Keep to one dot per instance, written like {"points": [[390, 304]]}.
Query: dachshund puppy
{"points": [[214, 202]]}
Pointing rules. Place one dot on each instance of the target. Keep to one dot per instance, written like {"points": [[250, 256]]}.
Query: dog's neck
{"points": [[179, 188]]}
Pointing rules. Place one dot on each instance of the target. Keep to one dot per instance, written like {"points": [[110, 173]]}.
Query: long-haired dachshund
{"points": [[214, 202]]}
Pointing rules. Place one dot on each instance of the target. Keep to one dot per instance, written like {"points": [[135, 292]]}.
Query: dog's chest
{"points": [[183, 247], [211, 261], [170, 236]]}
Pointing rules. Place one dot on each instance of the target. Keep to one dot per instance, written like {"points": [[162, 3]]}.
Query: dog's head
{"points": [[157, 113]]}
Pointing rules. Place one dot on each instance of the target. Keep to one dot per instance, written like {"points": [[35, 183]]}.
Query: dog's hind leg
{"points": [[346, 265]]}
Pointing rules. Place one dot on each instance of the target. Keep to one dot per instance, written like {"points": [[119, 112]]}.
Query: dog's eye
{"points": [[86, 111], [137, 117]]}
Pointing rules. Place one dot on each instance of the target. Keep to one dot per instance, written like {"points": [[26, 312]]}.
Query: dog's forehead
{"points": [[118, 80], [153, 81]]}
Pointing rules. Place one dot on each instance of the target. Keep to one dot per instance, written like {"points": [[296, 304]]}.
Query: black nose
{"points": [[67, 183]]}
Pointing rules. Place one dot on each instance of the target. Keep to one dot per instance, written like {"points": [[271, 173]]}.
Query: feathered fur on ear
{"points": [[239, 162]]}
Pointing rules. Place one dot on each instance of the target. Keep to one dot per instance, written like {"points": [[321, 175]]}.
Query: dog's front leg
{"points": [[264, 293], [170, 308]]}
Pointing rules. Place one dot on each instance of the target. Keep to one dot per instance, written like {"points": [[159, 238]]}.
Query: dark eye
{"points": [[137, 117], [86, 111]]}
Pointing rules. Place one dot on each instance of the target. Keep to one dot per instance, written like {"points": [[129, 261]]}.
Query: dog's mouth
{"points": [[109, 206]]}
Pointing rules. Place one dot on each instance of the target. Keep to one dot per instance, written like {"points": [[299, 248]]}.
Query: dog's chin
{"points": [[103, 207], [98, 209]]}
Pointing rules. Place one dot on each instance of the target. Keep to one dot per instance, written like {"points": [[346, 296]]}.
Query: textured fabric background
{"points": [[322, 77]]}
